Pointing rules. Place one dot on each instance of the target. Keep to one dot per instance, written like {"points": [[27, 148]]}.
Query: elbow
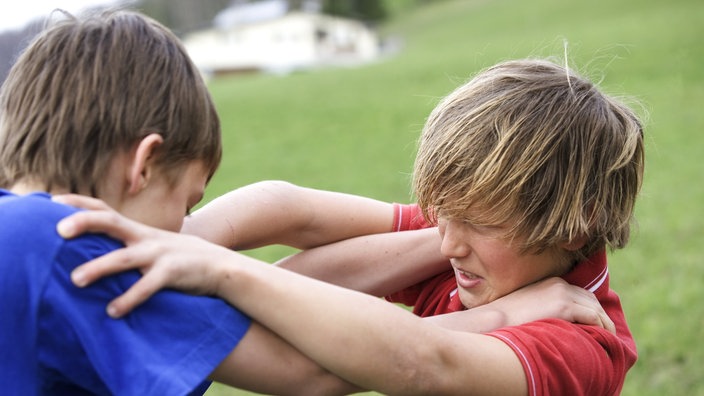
{"points": [[434, 372], [276, 187]]}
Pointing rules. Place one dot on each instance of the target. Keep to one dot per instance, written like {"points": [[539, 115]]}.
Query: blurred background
{"points": [[333, 95]]}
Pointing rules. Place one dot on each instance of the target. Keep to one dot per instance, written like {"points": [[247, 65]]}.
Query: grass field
{"points": [[354, 130]]}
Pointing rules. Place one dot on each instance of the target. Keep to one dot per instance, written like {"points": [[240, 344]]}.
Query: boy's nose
{"points": [[453, 244]]}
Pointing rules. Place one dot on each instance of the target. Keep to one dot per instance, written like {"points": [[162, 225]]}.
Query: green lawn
{"points": [[354, 130]]}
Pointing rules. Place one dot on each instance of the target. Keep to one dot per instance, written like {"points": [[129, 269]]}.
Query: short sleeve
{"points": [[408, 217], [168, 345], [561, 358]]}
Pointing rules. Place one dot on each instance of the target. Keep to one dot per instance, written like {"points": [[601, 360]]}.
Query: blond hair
{"points": [[88, 87], [532, 144]]}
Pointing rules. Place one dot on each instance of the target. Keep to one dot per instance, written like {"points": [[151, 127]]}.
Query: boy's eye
{"points": [[486, 229]]}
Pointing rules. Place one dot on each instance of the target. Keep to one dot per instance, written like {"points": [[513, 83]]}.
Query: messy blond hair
{"points": [[531, 144], [90, 87]]}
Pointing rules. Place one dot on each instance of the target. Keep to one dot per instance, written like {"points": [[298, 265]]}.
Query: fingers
{"points": [[602, 319], [115, 262], [142, 253], [589, 311], [109, 264], [608, 324], [573, 303], [144, 288], [589, 316]]}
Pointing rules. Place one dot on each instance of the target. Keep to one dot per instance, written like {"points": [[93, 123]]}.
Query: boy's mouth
{"points": [[467, 280]]}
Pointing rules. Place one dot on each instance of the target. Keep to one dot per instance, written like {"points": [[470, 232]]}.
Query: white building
{"points": [[265, 37]]}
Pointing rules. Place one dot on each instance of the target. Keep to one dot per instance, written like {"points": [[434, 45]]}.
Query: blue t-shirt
{"points": [[56, 338]]}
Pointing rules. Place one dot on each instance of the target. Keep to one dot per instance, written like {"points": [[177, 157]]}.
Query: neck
{"points": [[27, 187]]}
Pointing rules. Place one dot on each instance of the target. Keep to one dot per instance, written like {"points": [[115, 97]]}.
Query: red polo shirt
{"points": [[558, 357]]}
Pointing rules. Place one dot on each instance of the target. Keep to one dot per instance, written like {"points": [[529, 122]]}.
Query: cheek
{"points": [[507, 269], [515, 272]]}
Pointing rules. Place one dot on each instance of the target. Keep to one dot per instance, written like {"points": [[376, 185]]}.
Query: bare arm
{"points": [[382, 264], [276, 212], [374, 344], [548, 298], [377, 264], [264, 363]]}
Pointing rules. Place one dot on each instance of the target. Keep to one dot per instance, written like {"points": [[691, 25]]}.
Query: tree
{"points": [[183, 16], [369, 11]]}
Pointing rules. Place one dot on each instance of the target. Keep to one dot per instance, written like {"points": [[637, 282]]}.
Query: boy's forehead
{"points": [[477, 213]]}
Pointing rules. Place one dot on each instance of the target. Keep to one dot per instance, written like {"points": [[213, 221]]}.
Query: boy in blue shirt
{"points": [[111, 106]]}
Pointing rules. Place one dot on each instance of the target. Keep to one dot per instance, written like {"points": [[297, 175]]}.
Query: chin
{"points": [[470, 302]]}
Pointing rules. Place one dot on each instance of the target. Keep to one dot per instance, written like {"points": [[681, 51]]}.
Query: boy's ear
{"points": [[142, 166], [575, 244]]}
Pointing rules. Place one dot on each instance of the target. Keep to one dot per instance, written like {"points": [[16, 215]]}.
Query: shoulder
{"points": [[28, 235], [559, 357], [32, 218], [30, 211], [433, 296]]}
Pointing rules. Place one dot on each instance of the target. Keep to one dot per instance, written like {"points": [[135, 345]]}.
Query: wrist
{"points": [[224, 273], [491, 318]]}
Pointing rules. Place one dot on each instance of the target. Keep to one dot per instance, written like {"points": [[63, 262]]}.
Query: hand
{"points": [[165, 259], [552, 298]]}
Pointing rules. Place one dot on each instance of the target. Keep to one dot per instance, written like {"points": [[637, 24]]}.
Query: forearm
{"points": [[319, 319], [359, 337], [378, 264], [549, 298], [249, 216], [275, 212], [288, 372], [476, 320]]}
